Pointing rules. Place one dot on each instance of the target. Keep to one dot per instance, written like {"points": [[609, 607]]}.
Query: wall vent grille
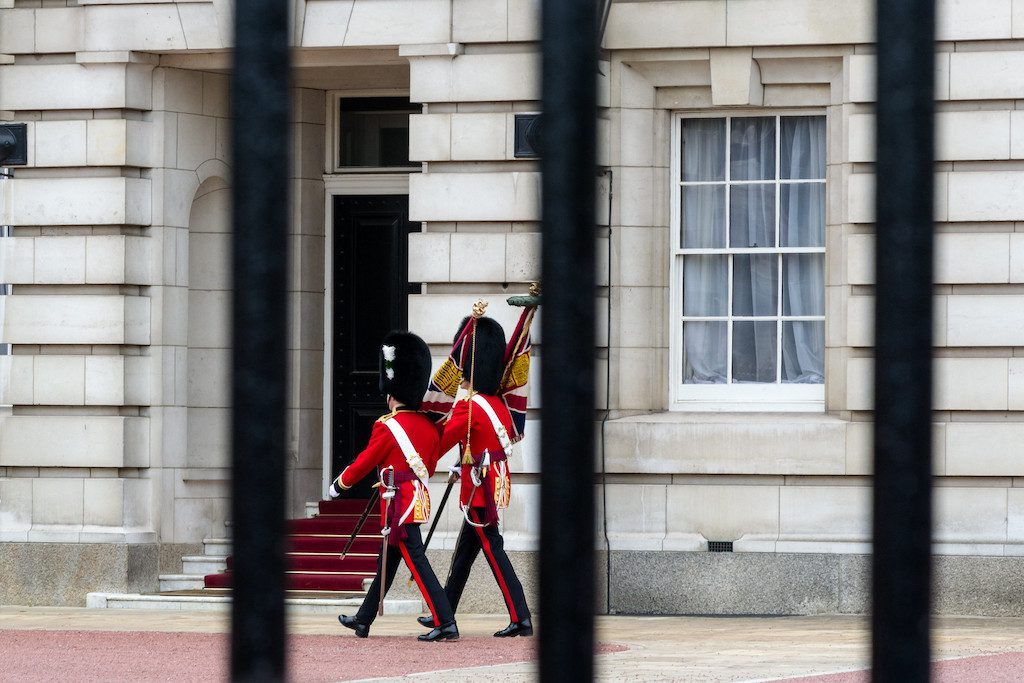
{"points": [[719, 546]]}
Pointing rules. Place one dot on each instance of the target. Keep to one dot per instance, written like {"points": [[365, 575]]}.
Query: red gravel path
{"points": [[142, 657], [1003, 668]]}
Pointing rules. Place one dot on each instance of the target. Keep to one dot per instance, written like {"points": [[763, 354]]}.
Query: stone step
{"points": [[203, 564], [180, 582], [312, 508], [217, 546], [221, 600]]}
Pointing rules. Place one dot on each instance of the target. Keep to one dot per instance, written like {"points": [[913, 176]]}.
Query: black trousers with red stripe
{"points": [[471, 541], [411, 550]]}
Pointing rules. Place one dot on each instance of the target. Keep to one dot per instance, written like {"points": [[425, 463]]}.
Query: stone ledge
{"points": [[790, 584], [726, 443], [30, 87], [222, 602], [432, 50]]}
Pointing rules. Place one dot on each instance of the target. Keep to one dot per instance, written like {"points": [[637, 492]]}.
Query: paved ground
{"points": [[137, 645]]}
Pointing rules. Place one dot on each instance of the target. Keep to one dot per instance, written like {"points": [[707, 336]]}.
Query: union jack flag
{"points": [[513, 389], [444, 385]]}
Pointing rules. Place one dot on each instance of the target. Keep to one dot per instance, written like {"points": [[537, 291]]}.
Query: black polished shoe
{"points": [[449, 632], [362, 630], [426, 622], [516, 628]]}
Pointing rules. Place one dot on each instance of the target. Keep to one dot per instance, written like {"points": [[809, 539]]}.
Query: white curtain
{"points": [[705, 342], [752, 224], [802, 224], [705, 290]]}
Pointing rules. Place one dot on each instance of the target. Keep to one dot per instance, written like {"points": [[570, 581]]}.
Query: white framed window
{"points": [[748, 262], [369, 132]]}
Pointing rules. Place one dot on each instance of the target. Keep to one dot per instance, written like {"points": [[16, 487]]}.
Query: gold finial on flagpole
{"points": [[529, 300], [479, 308]]}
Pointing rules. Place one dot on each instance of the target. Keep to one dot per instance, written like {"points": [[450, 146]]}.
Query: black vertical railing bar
{"points": [[901, 562], [260, 96], [568, 167]]}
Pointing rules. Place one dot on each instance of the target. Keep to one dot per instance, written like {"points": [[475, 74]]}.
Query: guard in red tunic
{"points": [[403, 445], [481, 425]]}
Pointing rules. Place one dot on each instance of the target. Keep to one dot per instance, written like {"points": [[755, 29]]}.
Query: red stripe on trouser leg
{"points": [[419, 582], [486, 545]]}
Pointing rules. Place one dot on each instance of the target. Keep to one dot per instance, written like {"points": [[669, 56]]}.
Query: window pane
{"points": [[803, 352], [755, 284], [802, 147], [752, 216], [703, 217], [803, 284], [802, 215], [374, 131], [753, 352], [705, 285], [704, 351], [703, 149], [752, 149], [374, 139]]}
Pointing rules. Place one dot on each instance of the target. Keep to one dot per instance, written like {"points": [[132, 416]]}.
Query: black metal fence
{"points": [[902, 523], [260, 96], [901, 561], [568, 167]]}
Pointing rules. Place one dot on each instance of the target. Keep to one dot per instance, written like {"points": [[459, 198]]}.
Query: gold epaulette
{"points": [[385, 417]]}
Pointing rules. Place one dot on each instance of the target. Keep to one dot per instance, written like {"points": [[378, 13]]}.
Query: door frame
{"points": [[335, 185]]}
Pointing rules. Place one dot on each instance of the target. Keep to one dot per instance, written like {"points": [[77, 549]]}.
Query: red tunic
{"points": [[383, 451], [482, 437]]}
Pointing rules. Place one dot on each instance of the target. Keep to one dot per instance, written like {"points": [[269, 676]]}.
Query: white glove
{"points": [[455, 471]]}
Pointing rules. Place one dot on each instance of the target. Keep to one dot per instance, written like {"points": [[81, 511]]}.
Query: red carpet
{"points": [[314, 546], [114, 657]]}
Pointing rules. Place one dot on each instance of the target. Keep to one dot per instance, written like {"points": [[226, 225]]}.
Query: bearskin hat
{"points": [[404, 368], [485, 372]]}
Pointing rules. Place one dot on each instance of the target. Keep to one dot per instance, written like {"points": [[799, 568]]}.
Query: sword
{"points": [[388, 484], [362, 520]]}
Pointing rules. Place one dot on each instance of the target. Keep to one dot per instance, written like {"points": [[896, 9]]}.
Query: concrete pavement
{"points": [[656, 648]]}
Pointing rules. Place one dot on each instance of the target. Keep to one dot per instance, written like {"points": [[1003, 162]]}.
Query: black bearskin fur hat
{"points": [[404, 368], [485, 373]]}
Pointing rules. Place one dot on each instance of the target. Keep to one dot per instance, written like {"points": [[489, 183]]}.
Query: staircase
{"points": [[314, 548], [318, 580], [194, 567]]}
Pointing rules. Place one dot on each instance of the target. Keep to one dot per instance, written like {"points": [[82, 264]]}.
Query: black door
{"points": [[371, 288]]}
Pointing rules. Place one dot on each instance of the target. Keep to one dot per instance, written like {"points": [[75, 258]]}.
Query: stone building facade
{"points": [[738, 395]]}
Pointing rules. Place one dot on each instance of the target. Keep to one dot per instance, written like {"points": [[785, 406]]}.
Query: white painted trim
{"points": [[335, 185], [675, 271], [727, 397], [718, 398], [333, 119], [367, 183], [328, 405]]}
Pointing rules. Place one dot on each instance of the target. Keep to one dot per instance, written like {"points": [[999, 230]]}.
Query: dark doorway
{"points": [[371, 290]]}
